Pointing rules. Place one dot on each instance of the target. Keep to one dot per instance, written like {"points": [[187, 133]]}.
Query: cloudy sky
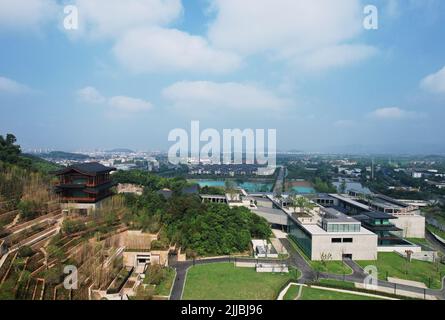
{"points": [[136, 69]]}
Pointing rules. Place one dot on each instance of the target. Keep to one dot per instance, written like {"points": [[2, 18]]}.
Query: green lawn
{"points": [[398, 267], [436, 231], [320, 294], [338, 283], [421, 242], [291, 293], [223, 281], [334, 267]]}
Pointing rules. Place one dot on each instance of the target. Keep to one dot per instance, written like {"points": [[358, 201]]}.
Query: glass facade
{"points": [[341, 227], [379, 222], [301, 237]]}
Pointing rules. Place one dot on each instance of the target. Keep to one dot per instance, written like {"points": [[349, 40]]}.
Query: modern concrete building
{"points": [[334, 237], [321, 233], [407, 216], [240, 198]]}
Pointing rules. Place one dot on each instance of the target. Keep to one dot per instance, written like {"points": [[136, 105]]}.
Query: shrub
{"points": [[73, 226], [25, 251], [155, 274], [28, 209]]}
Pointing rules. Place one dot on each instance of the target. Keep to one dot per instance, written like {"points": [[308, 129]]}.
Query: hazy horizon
{"points": [[133, 71]]}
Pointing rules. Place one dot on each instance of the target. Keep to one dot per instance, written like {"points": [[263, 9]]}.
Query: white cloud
{"points": [[395, 8], [144, 42], [110, 18], [296, 25], [90, 95], [435, 82], [12, 87], [129, 104], [26, 15], [291, 29], [394, 113], [336, 56], [206, 95], [157, 49], [119, 104]]}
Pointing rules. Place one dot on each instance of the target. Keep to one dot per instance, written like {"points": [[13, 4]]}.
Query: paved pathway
{"points": [[356, 269], [295, 259], [278, 188]]}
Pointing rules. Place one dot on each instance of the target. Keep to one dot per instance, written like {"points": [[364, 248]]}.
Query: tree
{"points": [[28, 209], [7, 290], [73, 226], [155, 274], [302, 203], [342, 187], [230, 188], [325, 257], [25, 251]]}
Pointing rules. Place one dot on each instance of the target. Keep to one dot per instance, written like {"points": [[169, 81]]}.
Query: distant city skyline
{"points": [[136, 69]]}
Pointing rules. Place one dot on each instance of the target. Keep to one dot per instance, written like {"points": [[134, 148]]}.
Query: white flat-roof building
{"points": [[335, 237]]}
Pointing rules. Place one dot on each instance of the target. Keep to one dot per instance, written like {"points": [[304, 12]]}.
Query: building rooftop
{"points": [[315, 229], [384, 203], [270, 211], [350, 201], [333, 215], [378, 215], [88, 168]]}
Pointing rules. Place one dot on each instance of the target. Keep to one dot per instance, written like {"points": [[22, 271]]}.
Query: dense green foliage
{"points": [[10, 152], [73, 226], [150, 181], [28, 209], [217, 229], [200, 228], [41, 165]]}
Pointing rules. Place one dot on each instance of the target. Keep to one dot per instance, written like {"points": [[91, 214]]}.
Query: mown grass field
{"points": [[223, 281], [292, 293], [320, 294], [393, 265], [334, 267]]}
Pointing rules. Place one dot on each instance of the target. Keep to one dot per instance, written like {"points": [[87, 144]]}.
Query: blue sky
{"points": [[136, 69]]}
